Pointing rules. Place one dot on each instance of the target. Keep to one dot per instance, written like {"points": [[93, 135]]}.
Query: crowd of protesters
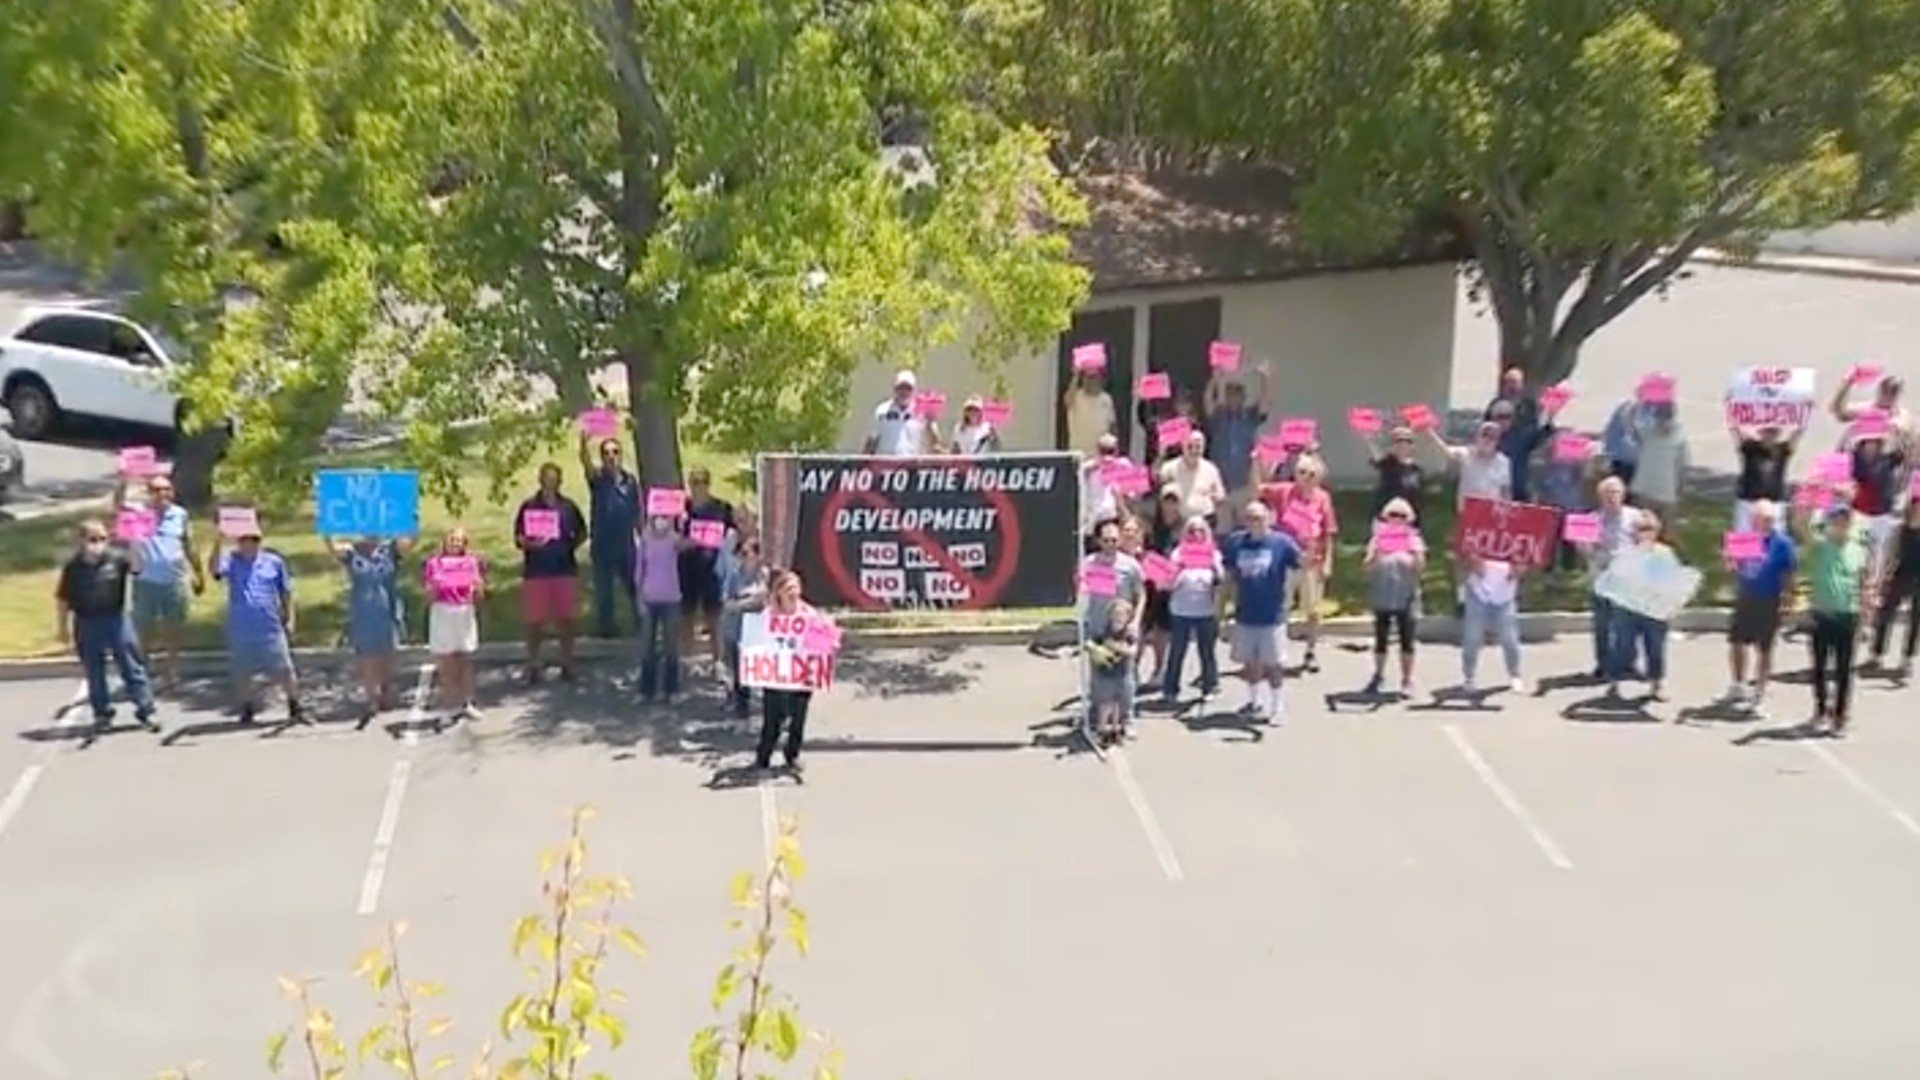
{"points": [[1221, 524], [1228, 524]]}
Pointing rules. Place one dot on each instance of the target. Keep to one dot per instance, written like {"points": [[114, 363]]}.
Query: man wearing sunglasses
{"points": [[90, 603]]}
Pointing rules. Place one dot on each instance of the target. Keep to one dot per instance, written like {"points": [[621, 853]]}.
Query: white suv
{"points": [[77, 361]]}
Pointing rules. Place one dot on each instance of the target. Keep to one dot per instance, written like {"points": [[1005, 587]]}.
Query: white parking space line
{"points": [[1505, 797], [383, 837], [1874, 795], [1149, 823], [29, 778], [769, 821]]}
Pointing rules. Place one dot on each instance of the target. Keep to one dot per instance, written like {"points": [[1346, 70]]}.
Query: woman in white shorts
{"points": [[455, 580]]}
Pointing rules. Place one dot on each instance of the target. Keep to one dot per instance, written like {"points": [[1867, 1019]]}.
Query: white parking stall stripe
{"points": [[29, 778], [1506, 798], [1860, 784], [1142, 810], [383, 837]]}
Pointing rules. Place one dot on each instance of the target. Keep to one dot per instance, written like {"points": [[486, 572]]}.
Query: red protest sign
{"points": [[1519, 533]]}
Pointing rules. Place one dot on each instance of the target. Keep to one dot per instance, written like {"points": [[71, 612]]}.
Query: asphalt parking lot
{"points": [[1535, 888]]}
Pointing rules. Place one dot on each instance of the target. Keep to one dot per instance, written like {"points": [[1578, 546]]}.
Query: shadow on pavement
{"points": [[1610, 709], [1800, 732]]}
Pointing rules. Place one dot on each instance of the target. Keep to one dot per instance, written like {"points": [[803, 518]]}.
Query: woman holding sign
{"points": [[784, 712], [455, 580], [1837, 560], [1193, 599], [373, 612], [1396, 557], [1305, 512]]}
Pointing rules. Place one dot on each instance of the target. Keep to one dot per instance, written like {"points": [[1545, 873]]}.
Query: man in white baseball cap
{"points": [[897, 431]]}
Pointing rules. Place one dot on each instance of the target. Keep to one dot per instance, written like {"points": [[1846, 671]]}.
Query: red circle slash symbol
{"points": [[981, 592]]}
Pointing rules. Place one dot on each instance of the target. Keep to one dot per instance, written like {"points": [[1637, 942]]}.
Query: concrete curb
{"points": [[1434, 630], [1817, 265]]}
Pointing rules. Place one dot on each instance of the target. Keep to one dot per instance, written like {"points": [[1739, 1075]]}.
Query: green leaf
{"points": [[725, 985], [786, 1035], [797, 930], [524, 932], [704, 1053], [276, 1052], [610, 1028], [630, 941]]}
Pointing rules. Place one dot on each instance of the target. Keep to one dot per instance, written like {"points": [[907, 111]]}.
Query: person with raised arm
{"points": [[1398, 473], [167, 573], [260, 620], [1765, 456], [898, 428], [613, 499], [1235, 416], [1763, 587], [1483, 471], [1887, 394], [374, 615]]}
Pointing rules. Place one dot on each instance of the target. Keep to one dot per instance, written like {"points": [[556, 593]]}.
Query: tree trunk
{"points": [[1536, 350], [656, 430], [194, 458]]}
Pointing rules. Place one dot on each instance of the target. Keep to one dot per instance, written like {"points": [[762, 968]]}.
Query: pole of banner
{"points": [[1081, 605]]}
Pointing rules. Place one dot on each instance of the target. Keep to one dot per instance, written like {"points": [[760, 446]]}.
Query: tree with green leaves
{"points": [[1585, 149], [459, 214]]}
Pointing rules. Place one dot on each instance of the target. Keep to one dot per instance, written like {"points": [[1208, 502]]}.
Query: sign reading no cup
{"points": [[367, 502]]}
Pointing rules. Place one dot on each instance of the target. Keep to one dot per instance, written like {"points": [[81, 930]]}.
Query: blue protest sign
{"points": [[367, 502]]}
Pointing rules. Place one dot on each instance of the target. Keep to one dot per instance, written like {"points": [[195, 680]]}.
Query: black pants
{"points": [[1833, 659], [1899, 591], [782, 709], [1384, 625]]}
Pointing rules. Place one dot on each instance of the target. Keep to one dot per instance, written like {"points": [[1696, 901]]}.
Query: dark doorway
{"points": [[1112, 327], [1178, 337]]}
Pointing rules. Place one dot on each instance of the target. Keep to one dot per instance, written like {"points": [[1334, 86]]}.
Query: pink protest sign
{"points": [[1833, 468], [1098, 580], [1554, 398], [707, 534], [599, 423], [1420, 417], [820, 635], [1572, 447], [133, 525], [541, 524], [1157, 386], [1581, 529], [238, 521], [666, 502], [996, 412], [1270, 450], [138, 461], [1195, 556], [1392, 538], [1112, 470], [456, 571], [1136, 480], [1862, 374], [1173, 432], [1812, 497], [1159, 569], [1872, 424], [1913, 488], [1742, 546], [1090, 358], [1365, 421], [1224, 356], [1297, 433], [929, 403], [1655, 390]]}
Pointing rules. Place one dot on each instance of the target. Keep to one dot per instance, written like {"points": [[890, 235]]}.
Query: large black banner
{"points": [[949, 532]]}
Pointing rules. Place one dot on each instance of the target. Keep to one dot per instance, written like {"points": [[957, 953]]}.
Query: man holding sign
{"points": [[549, 529], [166, 565]]}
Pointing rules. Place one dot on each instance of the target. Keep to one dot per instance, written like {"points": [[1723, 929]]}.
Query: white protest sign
{"points": [[1770, 397], [773, 657], [1651, 583]]}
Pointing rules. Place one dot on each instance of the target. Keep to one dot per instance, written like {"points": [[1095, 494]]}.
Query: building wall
{"points": [[1377, 338], [1887, 241]]}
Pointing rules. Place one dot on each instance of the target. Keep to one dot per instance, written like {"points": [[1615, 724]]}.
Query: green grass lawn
{"points": [[33, 550]]}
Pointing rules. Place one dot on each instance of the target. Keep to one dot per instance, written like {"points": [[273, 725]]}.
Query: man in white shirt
{"points": [[897, 432], [1089, 413], [1201, 488]]}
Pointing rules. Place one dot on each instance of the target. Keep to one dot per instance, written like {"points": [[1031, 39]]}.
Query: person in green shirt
{"points": [[1836, 563]]}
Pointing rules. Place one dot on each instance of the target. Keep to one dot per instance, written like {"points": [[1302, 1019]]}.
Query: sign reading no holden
{"points": [[367, 502]]}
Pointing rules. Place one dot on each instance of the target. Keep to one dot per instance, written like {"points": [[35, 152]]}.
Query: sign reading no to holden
{"points": [[367, 502]]}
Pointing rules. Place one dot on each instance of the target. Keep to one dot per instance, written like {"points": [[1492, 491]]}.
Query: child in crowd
{"points": [[1110, 694], [455, 580], [1396, 557], [743, 588]]}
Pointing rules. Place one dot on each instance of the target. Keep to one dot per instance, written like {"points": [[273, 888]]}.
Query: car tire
{"points": [[35, 413]]}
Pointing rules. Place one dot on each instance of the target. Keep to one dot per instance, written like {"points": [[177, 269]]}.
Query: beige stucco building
{"points": [[1180, 263]]}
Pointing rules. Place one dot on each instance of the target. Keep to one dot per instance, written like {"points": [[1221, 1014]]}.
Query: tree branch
{"points": [[616, 24]]}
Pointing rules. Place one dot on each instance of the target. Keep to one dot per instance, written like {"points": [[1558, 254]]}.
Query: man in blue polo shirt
{"points": [[1763, 587], [1258, 559], [259, 622]]}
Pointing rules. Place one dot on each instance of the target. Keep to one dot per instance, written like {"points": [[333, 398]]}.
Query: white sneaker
{"points": [[1469, 687], [1518, 685]]}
